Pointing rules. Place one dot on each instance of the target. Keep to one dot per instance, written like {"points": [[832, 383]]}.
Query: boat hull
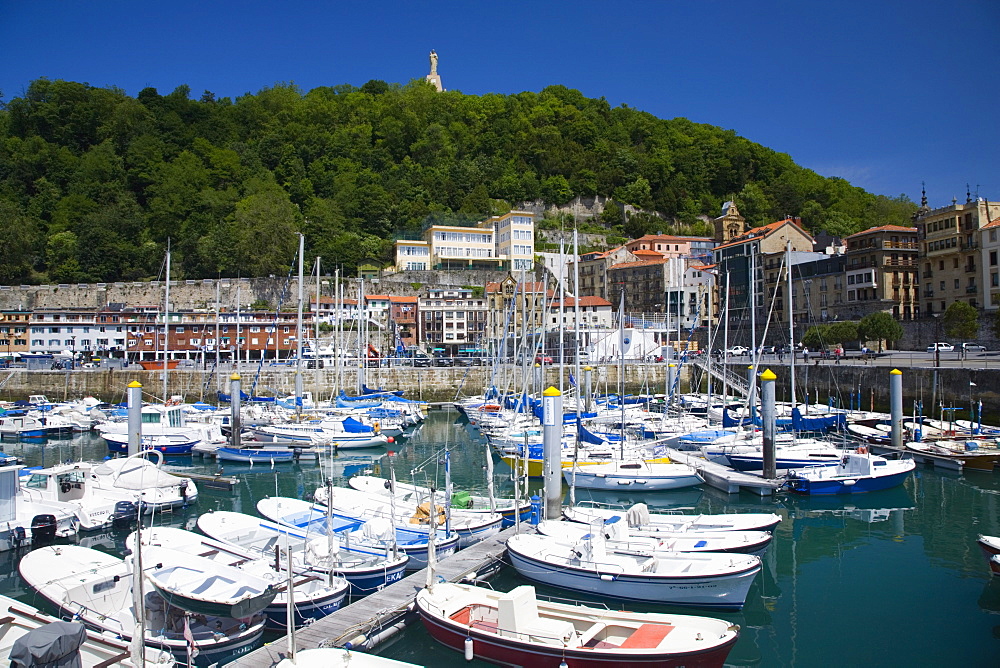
{"points": [[847, 485], [254, 455], [991, 549], [727, 592], [756, 462], [620, 481], [507, 652], [243, 608]]}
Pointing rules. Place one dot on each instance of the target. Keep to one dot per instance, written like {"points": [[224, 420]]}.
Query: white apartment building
{"points": [[452, 319], [500, 242]]}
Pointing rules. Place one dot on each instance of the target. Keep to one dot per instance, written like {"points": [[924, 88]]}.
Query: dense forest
{"points": [[94, 182]]}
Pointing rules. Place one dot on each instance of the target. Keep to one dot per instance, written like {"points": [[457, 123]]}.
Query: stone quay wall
{"points": [[428, 384]]}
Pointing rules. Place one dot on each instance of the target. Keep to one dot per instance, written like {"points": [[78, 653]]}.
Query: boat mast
{"points": [[298, 332], [725, 354], [166, 325], [576, 355], [621, 365], [791, 325]]}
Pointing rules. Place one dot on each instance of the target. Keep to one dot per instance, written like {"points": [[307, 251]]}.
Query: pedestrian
{"points": [[805, 354], [840, 351]]}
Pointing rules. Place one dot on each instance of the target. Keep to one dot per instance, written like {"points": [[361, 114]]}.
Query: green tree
{"points": [[960, 321], [816, 337], [881, 327], [843, 332]]}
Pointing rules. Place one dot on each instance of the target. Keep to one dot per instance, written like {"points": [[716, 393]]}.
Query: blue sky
{"points": [[883, 93]]}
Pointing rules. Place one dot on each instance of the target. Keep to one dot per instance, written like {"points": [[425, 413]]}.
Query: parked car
{"points": [[441, 360], [766, 350], [422, 360], [941, 346], [738, 350], [973, 347], [543, 359]]}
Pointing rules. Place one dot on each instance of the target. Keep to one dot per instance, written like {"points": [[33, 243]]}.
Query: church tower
{"points": [[434, 78], [730, 224]]}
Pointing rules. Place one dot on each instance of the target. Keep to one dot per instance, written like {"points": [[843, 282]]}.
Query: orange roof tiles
{"points": [[584, 301], [762, 231], [882, 228], [995, 223], [636, 265], [402, 300]]}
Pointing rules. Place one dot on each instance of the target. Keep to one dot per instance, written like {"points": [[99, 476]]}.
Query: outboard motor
{"points": [[124, 514], [43, 528]]}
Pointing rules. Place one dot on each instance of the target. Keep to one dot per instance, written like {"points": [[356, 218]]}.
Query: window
{"points": [[956, 284], [993, 258]]}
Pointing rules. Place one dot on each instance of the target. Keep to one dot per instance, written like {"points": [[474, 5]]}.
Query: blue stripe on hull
{"points": [[277, 614]]}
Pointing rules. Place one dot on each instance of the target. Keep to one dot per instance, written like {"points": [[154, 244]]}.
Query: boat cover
{"points": [[54, 645]]}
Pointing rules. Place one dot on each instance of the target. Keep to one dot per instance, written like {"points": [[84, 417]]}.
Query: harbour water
{"points": [[888, 578]]}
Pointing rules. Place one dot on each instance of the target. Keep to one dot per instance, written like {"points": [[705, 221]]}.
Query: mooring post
{"points": [[896, 407], [134, 398], [552, 424], [234, 407], [767, 415]]}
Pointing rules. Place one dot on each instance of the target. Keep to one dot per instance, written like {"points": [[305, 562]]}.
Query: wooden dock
{"points": [[725, 478], [373, 618]]}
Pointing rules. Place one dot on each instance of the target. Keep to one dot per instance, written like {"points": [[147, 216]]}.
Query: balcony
{"points": [[970, 245], [928, 292], [971, 290], [970, 268], [927, 274], [899, 262]]}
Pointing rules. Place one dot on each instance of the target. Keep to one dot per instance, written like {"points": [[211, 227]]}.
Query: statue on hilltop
{"points": [[434, 62], [434, 78]]}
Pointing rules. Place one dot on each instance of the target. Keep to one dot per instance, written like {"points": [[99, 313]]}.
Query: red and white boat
{"points": [[990, 545], [519, 629]]}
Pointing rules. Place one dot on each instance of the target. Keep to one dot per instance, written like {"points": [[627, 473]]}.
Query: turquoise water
{"points": [[888, 578]]}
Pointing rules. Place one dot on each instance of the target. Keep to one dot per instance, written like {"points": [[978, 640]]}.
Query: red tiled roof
{"points": [[636, 265], [374, 297], [702, 267], [642, 251], [584, 301], [882, 228], [991, 224], [402, 300]]}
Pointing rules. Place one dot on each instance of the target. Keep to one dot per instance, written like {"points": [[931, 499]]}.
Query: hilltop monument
{"points": [[434, 78]]}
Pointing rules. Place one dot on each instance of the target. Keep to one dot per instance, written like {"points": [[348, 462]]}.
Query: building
{"points": [[453, 319], [881, 273], [514, 308], [74, 330], [500, 242], [14, 326], [749, 264], [989, 242], [595, 313], [952, 266], [403, 319], [594, 270], [667, 245], [675, 290]]}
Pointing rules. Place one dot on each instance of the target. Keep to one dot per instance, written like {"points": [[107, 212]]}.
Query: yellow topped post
{"points": [[552, 424]]}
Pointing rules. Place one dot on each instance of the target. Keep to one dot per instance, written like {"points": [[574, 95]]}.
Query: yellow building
{"points": [[500, 242]]}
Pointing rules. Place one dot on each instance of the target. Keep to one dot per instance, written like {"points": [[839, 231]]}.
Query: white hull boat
{"points": [[365, 572], [640, 520], [316, 595], [18, 619], [621, 538], [636, 475], [470, 527], [712, 580], [378, 534], [96, 588]]}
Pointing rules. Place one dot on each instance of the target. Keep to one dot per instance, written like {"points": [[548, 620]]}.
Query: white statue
{"points": [[434, 62]]}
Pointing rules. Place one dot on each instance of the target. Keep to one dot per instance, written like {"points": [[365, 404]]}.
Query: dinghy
{"points": [[202, 586], [18, 620], [643, 522], [96, 588], [714, 580], [316, 594], [460, 500], [622, 538], [377, 534], [990, 545], [314, 550], [470, 527], [520, 629], [635, 475]]}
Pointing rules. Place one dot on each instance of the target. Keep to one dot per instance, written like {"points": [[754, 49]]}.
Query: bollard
{"points": [[588, 373], [536, 509]]}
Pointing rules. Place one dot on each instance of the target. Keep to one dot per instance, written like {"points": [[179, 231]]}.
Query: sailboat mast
{"points": [[298, 332], [166, 325], [791, 325]]}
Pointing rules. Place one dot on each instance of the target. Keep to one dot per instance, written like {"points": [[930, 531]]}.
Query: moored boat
{"points": [[715, 580], [858, 472], [621, 537], [519, 629], [990, 545], [641, 520], [636, 475]]}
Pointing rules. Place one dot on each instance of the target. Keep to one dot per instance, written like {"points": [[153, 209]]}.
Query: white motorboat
{"points": [[335, 657], [622, 538], [408, 492], [19, 619], [377, 534], [654, 524], [96, 588], [470, 527], [519, 628], [316, 595], [635, 475], [320, 551], [705, 579]]}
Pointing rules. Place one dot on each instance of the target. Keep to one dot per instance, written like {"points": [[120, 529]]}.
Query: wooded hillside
{"points": [[93, 181]]}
